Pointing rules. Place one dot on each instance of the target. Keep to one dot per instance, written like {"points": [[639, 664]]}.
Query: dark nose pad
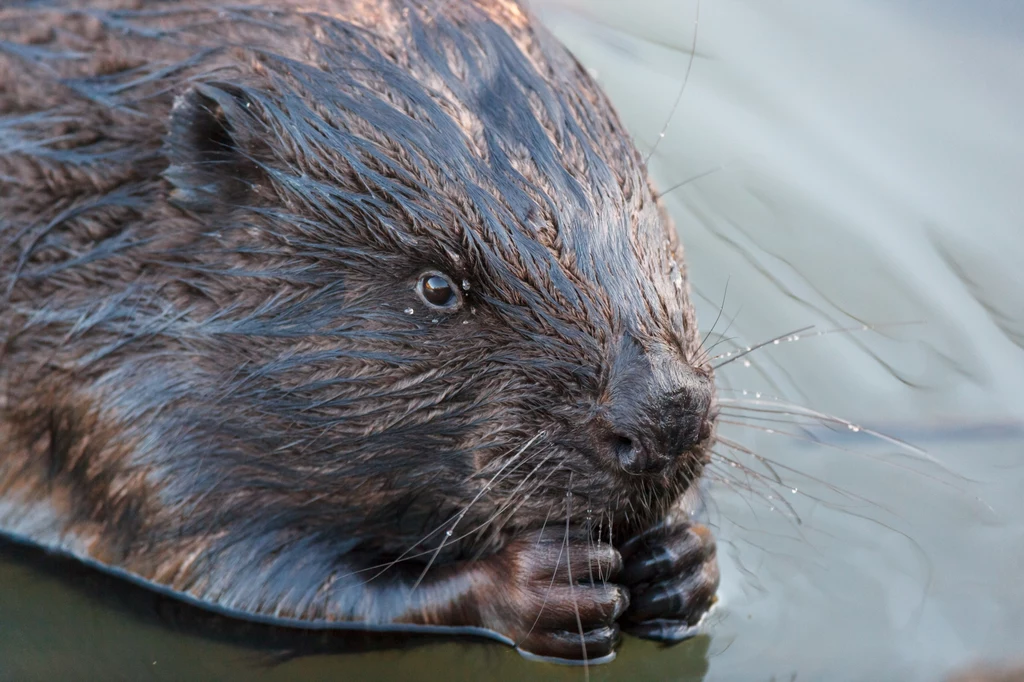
{"points": [[654, 417]]}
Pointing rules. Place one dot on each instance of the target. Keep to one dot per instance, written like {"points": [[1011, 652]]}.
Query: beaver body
{"points": [[354, 313]]}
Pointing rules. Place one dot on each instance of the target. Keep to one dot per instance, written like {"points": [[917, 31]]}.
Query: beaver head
{"points": [[300, 286]]}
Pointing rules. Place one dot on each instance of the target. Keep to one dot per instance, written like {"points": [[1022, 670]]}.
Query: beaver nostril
{"points": [[632, 456], [624, 449]]}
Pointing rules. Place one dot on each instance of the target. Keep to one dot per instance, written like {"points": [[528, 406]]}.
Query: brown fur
{"points": [[213, 218]]}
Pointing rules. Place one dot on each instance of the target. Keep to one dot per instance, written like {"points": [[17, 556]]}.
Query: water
{"points": [[853, 163]]}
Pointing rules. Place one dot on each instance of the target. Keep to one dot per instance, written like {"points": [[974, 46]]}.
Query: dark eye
{"points": [[437, 290]]}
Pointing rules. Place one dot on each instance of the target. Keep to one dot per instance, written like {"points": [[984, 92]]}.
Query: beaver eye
{"points": [[437, 290]]}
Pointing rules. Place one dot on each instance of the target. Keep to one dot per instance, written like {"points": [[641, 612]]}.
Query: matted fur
{"points": [[216, 374]]}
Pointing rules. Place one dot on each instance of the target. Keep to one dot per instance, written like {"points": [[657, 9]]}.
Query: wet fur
{"points": [[209, 377]]}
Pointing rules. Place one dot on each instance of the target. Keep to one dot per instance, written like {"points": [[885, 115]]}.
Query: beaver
{"points": [[346, 314]]}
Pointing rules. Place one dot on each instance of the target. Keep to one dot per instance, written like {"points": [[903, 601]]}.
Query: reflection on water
{"points": [[849, 163]]}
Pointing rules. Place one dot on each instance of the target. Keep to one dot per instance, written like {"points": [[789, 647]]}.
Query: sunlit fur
{"points": [[211, 227]]}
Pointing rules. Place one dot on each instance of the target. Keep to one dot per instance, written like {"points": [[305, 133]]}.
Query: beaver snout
{"points": [[657, 409]]}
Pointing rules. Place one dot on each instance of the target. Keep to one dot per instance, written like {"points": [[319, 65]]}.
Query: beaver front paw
{"points": [[561, 597], [672, 574]]}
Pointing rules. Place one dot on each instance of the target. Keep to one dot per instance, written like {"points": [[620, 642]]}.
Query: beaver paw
{"points": [[568, 604], [672, 574]]}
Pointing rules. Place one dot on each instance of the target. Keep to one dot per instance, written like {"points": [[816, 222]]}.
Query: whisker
{"points": [[800, 335], [590, 546], [733, 464], [551, 586], [721, 309], [809, 477], [695, 178], [852, 512], [725, 476], [747, 451], [732, 356], [480, 527], [803, 422], [458, 517], [722, 338], [810, 438], [682, 88], [543, 526], [508, 503], [737, 420], [782, 407], [572, 588]]}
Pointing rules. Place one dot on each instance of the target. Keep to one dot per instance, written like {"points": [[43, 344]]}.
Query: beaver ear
{"points": [[211, 147]]}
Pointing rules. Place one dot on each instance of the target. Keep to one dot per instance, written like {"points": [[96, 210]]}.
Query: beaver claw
{"points": [[567, 598], [672, 574], [569, 604]]}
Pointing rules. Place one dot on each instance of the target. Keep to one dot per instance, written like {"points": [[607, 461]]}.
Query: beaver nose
{"points": [[657, 411]]}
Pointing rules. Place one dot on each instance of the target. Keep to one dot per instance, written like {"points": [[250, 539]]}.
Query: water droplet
{"points": [[796, 337], [746, 363], [409, 311], [465, 322], [568, 493], [448, 532], [853, 427], [757, 395], [794, 490], [769, 430], [749, 349], [744, 391], [732, 464], [465, 285], [775, 342], [661, 134]]}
